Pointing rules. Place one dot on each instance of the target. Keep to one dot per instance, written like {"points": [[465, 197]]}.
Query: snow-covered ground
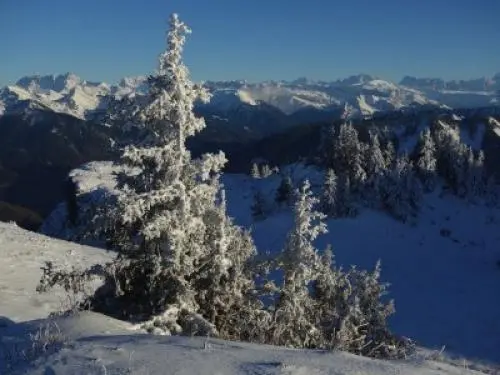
{"points": [[22, 253], [90, 343], [444, 271], [445, 287]]}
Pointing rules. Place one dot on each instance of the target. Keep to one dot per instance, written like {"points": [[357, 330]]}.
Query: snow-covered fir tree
{"points": [[402, 192], [284, 193], [329, 199], [452, 156], [300, 260], [255, 172], [348, 156], [265, 171], [426, 160], [321, 306], [389, 155], [181, 261], [375, 171]]}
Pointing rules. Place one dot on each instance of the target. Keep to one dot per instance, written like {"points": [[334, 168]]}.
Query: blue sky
{"points": [[253, 39]]}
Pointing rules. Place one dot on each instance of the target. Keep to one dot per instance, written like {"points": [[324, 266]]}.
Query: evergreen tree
{"points": [[300, 260], [375, 170], [180, 261], [265, 171], [329, 194], [389, 155], [402, 193], [348, 156], [426, 160], [255, 172], [453, 157], [284, 194]]}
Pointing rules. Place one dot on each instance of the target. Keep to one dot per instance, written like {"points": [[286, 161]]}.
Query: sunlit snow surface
{"points": [[445, 288]]}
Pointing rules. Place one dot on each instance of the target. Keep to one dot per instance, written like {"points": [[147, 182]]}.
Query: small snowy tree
{"points": [[255, 172], [402, 193], [375, 171], [348, 156], [284, 194], [320, 305], [426, 160], [329, 194], [299, 261], [265, 171], [389, 155]]}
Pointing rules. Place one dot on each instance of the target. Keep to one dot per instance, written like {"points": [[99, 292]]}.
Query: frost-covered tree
{"points": [[426, 160], [181, 261], [452, 157], [321, 306], [348, 156], [389, 155], [402, 193], [266, 171], [284, 193], [329, 199], [375, 171], [299, 262], [255, 172]]}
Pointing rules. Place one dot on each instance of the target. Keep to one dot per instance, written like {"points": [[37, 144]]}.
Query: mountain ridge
{"points": [[364, 94]]}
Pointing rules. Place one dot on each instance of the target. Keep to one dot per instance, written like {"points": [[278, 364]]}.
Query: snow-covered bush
{"points": [[319, 305]]}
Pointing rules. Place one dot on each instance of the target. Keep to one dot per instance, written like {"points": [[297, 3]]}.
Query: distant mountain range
{"points": [[250, 104]]}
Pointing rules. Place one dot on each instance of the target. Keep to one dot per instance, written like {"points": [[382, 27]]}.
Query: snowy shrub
{"points": [[46, 339], [318, 305], [77, 284]]}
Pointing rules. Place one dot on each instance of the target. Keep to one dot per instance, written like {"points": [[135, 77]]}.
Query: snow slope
{"points": [[94, 344], [22, 253]]}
